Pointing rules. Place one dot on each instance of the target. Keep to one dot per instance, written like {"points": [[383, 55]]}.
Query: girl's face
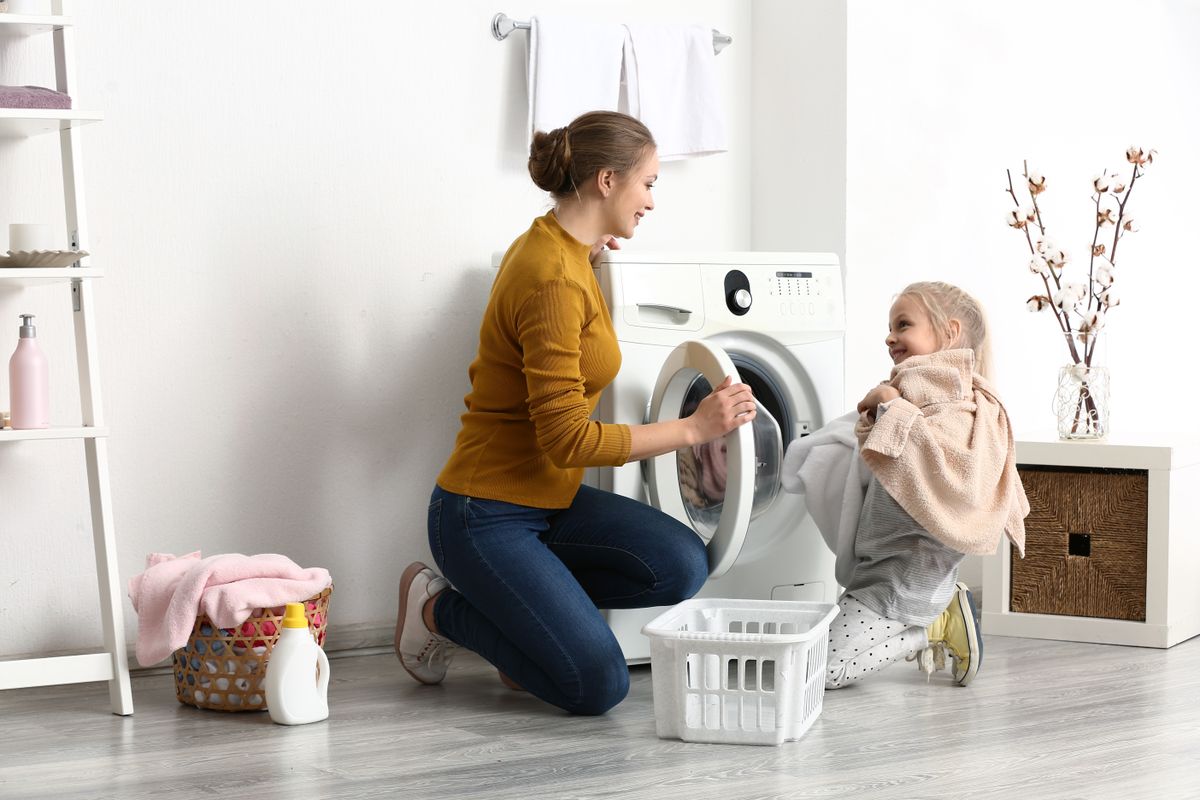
{"points": [[910, 331], [631, 197]]}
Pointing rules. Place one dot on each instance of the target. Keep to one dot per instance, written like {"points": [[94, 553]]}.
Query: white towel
{"points": [[672, 84], [574, 67], [828, 470]]}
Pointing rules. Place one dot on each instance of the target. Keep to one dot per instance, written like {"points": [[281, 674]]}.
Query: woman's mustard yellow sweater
{"points": [[546, 350]]}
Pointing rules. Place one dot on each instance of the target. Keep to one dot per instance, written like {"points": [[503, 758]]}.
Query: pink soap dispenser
{"points": [[29, 381]]}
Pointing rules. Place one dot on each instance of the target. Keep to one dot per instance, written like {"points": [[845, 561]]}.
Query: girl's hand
{"points": [[882, 393], [728, 406], [609, 242]]}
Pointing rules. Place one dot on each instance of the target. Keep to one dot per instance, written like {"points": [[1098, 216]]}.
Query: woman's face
{"points": [[910, 331], [631, 197]]}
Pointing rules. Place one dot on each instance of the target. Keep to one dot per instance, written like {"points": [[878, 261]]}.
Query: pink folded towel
{"points": [[173, 591], [32, 97]]}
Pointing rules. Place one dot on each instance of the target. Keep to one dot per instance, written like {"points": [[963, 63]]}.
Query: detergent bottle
{"points": [[297, 673]]}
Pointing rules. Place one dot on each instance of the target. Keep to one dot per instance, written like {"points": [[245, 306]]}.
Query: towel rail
{"points": [[503, 25]]}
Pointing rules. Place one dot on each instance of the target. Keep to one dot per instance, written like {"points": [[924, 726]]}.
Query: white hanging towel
{"points": [[671, 80], [574, 67]]}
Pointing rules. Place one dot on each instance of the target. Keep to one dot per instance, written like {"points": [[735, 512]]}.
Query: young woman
{"points": [[532, 554]]}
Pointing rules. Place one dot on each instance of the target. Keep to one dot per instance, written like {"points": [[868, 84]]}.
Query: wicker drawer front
{"points": [[1085, 544]]}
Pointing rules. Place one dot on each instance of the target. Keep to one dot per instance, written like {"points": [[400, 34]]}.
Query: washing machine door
{"points": [[676, 481]]}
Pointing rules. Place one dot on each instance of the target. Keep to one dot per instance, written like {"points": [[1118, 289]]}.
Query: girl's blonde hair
{"points": [[944, 302]]}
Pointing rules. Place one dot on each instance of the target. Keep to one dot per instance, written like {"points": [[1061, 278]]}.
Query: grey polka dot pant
{"points": [[862, 643]]}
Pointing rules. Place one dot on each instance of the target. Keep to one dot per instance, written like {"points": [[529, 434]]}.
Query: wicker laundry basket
{"points": [[223, 668]]}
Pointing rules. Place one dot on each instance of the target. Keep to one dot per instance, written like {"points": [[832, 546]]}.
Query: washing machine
{"points": [[684, 322]]}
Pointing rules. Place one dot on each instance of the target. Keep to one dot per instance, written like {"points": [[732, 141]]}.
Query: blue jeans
{"points": [[528, 583]]}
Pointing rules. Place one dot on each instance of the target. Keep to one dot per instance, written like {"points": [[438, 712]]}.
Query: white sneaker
{"points": [[424, 654]]}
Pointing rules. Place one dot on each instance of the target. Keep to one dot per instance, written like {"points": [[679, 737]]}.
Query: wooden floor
{"points": [[1043, 720]]}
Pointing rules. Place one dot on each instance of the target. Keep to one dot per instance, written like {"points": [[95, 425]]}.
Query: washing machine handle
{"points": [[662, 472]]}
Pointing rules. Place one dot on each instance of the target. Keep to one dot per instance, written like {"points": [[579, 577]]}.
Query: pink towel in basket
{"points": [[32, 97], [173, 591]]}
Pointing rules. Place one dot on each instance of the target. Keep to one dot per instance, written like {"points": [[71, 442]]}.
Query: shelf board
{"points": [[1130, 450], [7, 435], [22, 122], [27, 274], [31, 24], [53, 670]]}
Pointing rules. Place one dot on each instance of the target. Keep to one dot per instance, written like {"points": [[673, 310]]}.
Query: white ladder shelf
{"points": [[112, 664]]}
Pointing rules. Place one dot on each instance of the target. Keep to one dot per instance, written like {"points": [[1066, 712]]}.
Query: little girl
{"points": [[940, 483]]}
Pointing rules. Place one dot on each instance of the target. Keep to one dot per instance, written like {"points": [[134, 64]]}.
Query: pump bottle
{"points": [[29, 381], [297, 673]]}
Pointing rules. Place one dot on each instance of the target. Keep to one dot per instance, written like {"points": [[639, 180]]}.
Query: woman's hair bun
{"points": [[550, 161], [567, 158]]}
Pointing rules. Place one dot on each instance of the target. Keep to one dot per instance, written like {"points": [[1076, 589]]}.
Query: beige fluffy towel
{"points": [[945, 452]]}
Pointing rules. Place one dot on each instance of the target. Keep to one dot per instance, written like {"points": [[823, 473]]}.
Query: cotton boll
{"points": [[1093, 322], [1063, 300], [1136, 155], [1070, 294]]}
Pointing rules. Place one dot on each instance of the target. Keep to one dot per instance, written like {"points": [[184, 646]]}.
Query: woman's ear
{"points": [[606, 181]]}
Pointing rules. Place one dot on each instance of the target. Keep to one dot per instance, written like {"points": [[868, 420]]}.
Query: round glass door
{"points": [[710, 487], [703, 469]]}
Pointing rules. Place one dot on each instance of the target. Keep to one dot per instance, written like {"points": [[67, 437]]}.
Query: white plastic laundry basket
{"points": [[739, 671]]}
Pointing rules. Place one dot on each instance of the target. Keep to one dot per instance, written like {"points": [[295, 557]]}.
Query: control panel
{"points": [[805, 294], [793, 285], [785, 295]]}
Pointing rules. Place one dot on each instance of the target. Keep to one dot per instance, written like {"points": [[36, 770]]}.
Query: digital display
{"points": [[793, 274]]}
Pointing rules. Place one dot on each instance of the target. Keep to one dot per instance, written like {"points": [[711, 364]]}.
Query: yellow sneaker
{"points": [[956, 631]]}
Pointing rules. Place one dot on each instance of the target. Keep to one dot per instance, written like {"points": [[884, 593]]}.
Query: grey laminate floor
{"points": [[1043, 720]]}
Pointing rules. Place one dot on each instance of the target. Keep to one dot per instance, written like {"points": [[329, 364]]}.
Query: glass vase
{"points": [[1081, 400]]}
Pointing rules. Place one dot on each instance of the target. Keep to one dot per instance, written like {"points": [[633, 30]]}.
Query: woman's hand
{"points": [[609, 242], [728, 406], [882, 393]]}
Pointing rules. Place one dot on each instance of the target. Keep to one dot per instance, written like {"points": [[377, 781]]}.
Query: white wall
{"points": [[296, 204], [799, 138], [942, 98]]}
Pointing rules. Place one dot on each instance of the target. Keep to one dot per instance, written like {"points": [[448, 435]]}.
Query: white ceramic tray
{"points": [[41, 258]]}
